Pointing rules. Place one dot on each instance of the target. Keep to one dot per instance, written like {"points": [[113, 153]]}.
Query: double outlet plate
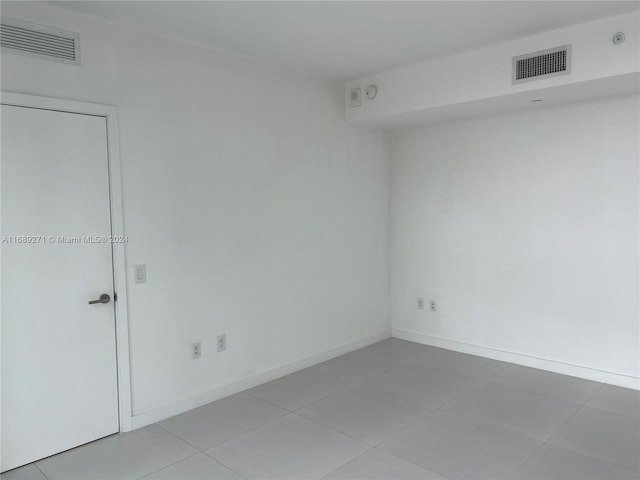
{"points": [[140, 276], [221, 346], [433, 304]]}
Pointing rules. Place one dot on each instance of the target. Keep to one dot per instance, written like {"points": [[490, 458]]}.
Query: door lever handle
{"points": [[104, 298]]}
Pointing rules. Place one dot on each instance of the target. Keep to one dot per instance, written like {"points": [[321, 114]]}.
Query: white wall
{"points": [[524, 227], [258, 213]]}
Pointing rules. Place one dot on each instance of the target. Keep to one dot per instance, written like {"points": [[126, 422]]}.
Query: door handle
{"points": [[104, 298]]}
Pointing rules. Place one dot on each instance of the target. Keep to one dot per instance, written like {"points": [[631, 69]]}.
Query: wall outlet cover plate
{"points": [[356, 97], [140, 273]]}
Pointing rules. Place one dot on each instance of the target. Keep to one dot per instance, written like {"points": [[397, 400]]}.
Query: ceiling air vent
{"points": [[542, 64], [25, 38]]}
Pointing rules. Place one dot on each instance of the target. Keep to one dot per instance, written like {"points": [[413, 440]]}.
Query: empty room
{"points": [[308, 240]]}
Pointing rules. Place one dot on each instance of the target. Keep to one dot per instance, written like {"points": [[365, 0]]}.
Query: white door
{"points": [[59, 381]]}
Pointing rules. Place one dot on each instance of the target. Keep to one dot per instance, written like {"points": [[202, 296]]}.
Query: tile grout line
{"points": [[323, 398], [508, 365], [329, 427], [170, 465], [617, 414], [326, 427], [334, 430], [177, 436], [375, 445], [478, 381], [199, 451], [341, 389], [580, 407], [288, 412], [264, 425], [376, 355], [610, 411], [460, 395], [451, 372], [583, 406], [386, 453], [524, 390], [35, 464], [224, 465], [266, 401], [421, 417], [346, 463], [517, 469], [360, 383]]}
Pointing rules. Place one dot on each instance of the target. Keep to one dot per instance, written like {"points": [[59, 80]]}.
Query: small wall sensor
{"points": [[618, 38], [371, 92], [356, 97]]}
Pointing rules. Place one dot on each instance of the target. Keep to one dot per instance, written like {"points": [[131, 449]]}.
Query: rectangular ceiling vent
{"points": [[39, 41], [543, 64]]}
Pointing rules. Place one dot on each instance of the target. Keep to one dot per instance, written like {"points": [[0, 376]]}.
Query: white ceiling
{"points": [[345, 40]]}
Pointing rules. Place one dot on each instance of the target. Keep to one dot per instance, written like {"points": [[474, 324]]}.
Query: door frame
{"points": [[110, 114]]}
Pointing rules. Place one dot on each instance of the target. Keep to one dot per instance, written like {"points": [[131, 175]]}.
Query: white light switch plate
{"points": [[140, 273], [356, 97]]}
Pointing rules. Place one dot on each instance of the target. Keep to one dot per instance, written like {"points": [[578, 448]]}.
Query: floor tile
{"points": [[554, 385], [561, 464], [438, 358], [300, 389], [289, 448], [420, 384], [461, 363], [219, 421], [492, 421], [461, 448], [358, 365], [516, 410], [364, 413], [378, 465], [198, 467], [121, 456], [606, 436], [610, 398], [28, 472], [394, 348]]}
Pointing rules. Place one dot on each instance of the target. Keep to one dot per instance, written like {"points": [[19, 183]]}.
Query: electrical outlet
{"points": [[222, 343], [196, 350], [420, 303], [433, 305]]}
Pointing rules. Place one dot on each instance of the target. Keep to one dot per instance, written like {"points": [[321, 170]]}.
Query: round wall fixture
{"points": [[371, 92], [618, 38]]}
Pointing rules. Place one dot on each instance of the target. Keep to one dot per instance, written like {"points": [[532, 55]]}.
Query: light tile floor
{"points": [[394, 410]]}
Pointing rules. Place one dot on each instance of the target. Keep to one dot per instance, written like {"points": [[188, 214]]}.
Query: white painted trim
{"points": [[580, 371], [110, 113], [182, 405]]}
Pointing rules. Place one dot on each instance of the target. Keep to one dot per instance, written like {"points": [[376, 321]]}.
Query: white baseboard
{"points": [[588, 373], [179, 406]]}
